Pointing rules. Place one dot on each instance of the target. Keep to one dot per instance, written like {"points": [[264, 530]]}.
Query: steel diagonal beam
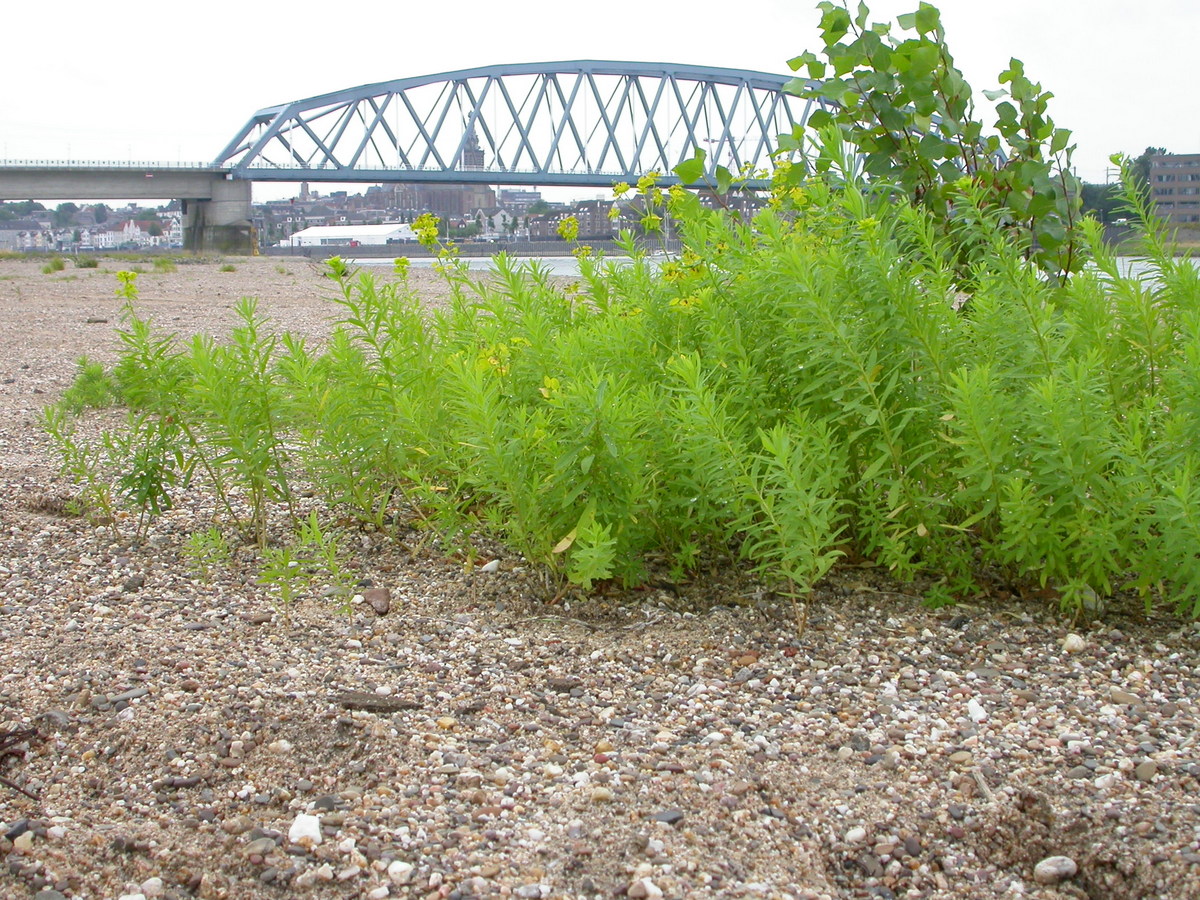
{"points": [[369, 133], [763, 147], [349, 114], [320, 143], [420, 123], [651, 128], [451, 97], [392, 136], [685, 110], [727, 131], [523, 139], [473, 116], [483, 122], [611, 139], [566, 120], [541, 96]]}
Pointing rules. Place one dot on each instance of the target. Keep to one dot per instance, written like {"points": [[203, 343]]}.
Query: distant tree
{"points": [[77, 235], [1102, 200], [100, 213], [155, 230], [538, 208], [21, 209], [1140, 167], [64, 214]]}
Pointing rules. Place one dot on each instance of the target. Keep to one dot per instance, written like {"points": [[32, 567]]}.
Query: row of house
{"points": [[42, 235]]}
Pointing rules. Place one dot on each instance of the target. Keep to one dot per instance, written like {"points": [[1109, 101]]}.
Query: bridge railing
{"points": [[103, 164]]}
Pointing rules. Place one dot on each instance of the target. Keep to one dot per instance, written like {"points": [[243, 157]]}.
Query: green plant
{"points": [[164, 265], [311, 559], [84, 465], [908, 110], [93, 388], [56, 264], [86, 262], [207, 550], [228, 267]]}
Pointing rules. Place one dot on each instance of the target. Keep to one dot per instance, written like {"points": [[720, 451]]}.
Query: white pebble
{"points": [[305, 830], [856, 835], [976, 711], [399, 872], [1054, 869], [1073, 643]]}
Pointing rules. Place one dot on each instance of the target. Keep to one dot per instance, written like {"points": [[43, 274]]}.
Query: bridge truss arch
{"points": [[564, 123]]}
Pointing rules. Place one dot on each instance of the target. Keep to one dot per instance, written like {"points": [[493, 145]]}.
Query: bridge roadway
{"points": [[216, 206]]}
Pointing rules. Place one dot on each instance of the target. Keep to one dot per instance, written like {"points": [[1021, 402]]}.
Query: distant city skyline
{"points": [[160, 83]]}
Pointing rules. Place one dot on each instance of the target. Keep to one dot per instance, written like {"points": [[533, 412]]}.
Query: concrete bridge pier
{"points": [[220, 223]]}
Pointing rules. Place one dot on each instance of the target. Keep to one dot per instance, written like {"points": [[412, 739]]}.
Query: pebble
{"points": [[644, 888], [400, 872], [1073, 643], [305, 830], [1054, 869], [856, 835], [1146, 771]]}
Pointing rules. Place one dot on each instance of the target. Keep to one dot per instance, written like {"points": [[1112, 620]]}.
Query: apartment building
{"points": [[1175, 187]]}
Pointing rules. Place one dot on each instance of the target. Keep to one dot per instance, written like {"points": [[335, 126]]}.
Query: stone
{"points": [[856, 835], [1073, 643], [305, 830], [667, 816], [1146, 771], [260, 847], [1054, 869], [379, 599], [976, 711], [400, 872], [644, 888]]}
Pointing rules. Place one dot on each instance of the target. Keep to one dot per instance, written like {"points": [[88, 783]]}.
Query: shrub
{"points": [[86, 262], [56, 264]]}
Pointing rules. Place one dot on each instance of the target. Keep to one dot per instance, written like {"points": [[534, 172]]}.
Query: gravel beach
{"points": [[458, 736]]}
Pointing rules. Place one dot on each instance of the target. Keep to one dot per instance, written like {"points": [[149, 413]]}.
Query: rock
{"points": [[856, 835], [1079, 772], [305, 830], [49, 895], [133, 584], [153, 887], [489, 567], [602, 795], [1146, 771], [1054, 869], [379, 599], [236, 825], [400, 872], [667, 816], [260, 847], [976, 711], [644, 888], [1073, 643], [961, 757]]}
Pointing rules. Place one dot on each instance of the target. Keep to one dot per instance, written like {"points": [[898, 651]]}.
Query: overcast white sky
{"points": [[173, 82]]}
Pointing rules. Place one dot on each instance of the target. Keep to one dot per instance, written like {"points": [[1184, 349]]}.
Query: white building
{"points": [[352, 235]]}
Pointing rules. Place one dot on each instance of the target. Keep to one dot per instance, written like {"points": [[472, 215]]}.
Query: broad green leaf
{"points": [[691, 170]]}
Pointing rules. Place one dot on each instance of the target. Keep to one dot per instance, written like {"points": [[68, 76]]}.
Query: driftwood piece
{"points": [[375, 703]]}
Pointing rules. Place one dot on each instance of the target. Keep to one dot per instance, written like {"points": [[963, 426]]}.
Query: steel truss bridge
{"points": [[564, 123]]}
